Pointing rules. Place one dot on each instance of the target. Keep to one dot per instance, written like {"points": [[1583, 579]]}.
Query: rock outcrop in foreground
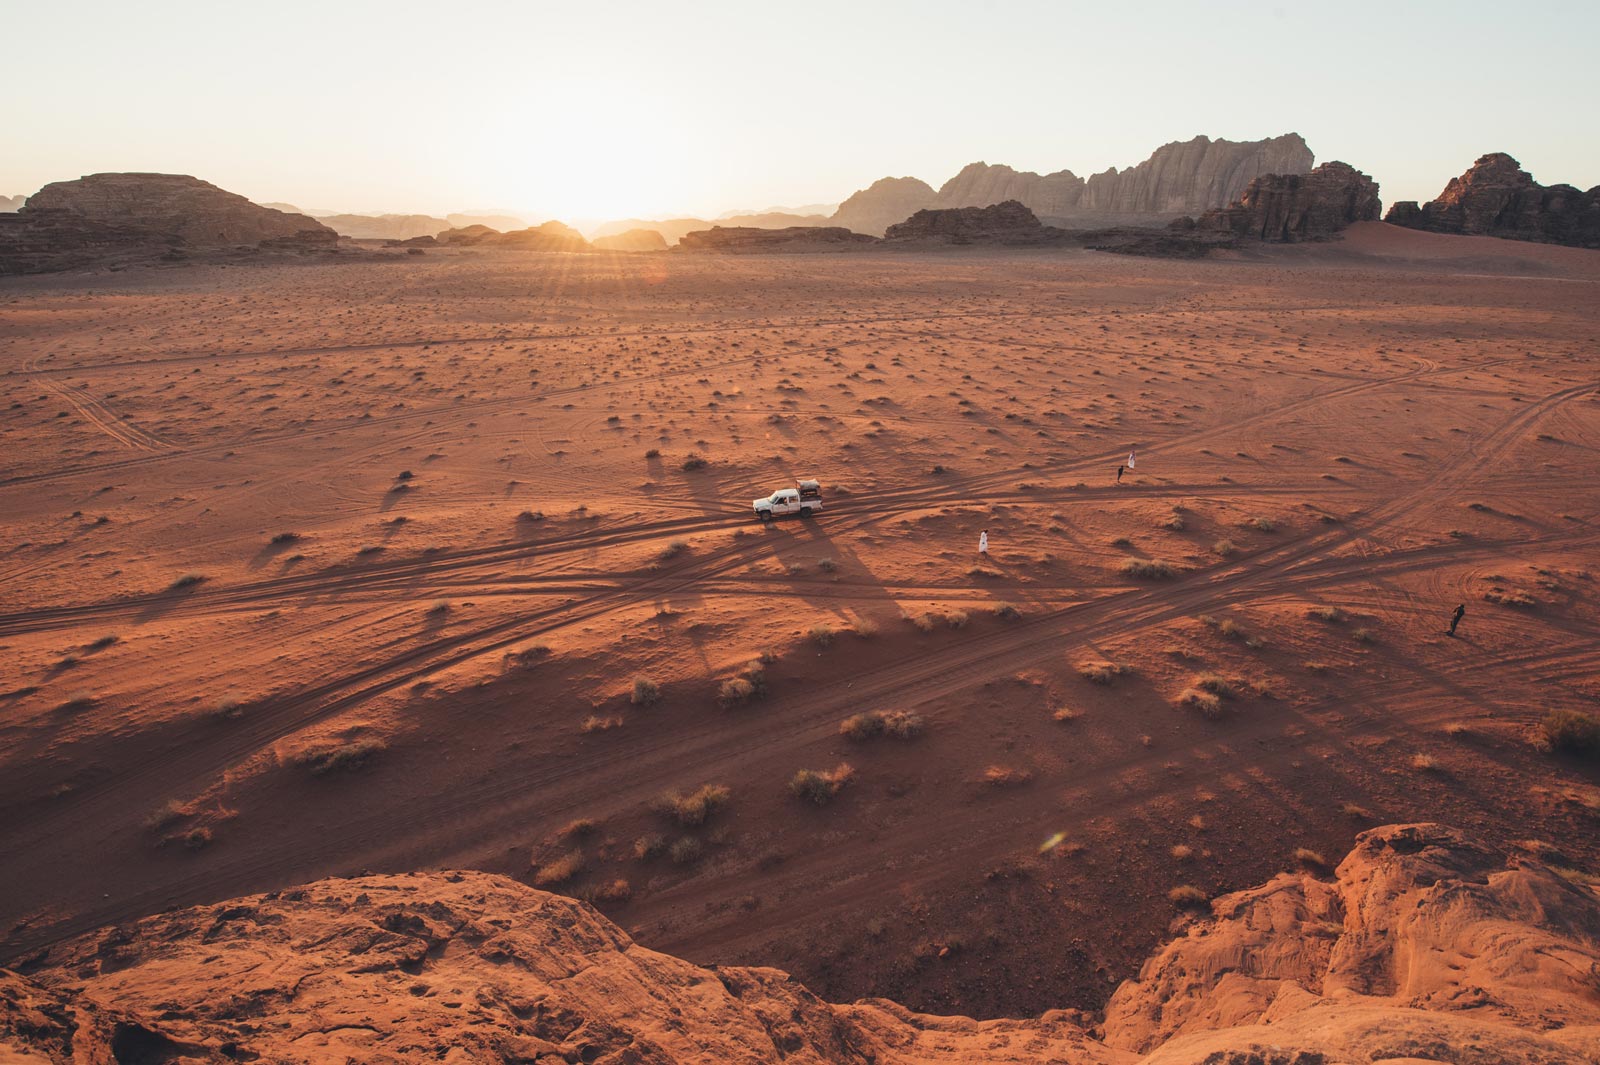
{"points": [[1426, 946], [1497, 198], [1287, 208], [750, 239]]}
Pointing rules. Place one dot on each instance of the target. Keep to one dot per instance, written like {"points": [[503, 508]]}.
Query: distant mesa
{"points": [[503, 222], [551, 236], [673, 229], [1181, 178], [1497, 198], [632, 240], [883, 203], [1288, 208], [9, 204], [791, 239], [1002, 223], [385, 226], [110, 216]]}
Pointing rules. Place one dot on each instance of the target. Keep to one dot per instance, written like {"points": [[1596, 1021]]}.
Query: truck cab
{"points": [[805, 499]]}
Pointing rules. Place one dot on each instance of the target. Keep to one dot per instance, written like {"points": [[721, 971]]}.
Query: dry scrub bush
{"points": [[898, 724], [866, 628], [1209, 706], [1330, 614], [1064, 715], [1425, 763], [170, 813], [579, 827], [822, 635], [693, 462], [819, 786], [1099, 672], [1187, 896], [332, 758], [1182, 852], [673, 549], [694, 807], [1005, 776], [751, 683], [686, 851], [1224, 548], [596, 723], [1310, 858], [651, 846], [645, 692], [1571, 732], [1146, 569], [562, 869], [956, 619], [618, 890], [1005, 611]]}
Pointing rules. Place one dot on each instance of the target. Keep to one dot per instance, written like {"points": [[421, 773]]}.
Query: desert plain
{"points": [[448, 561]]}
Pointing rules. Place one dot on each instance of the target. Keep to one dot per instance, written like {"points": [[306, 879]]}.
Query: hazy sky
{"points": [[608, 109]]}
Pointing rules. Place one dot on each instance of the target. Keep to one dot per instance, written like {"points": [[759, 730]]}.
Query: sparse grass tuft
{"points": [[822, 635], [188, 580], [646, 692], [1099, 672], [331, 758], [1146, 569], [1182, 852], [618, 890], [1310, 858], [1363, 636], [820, 786], [673, 549], [1064, 715], [578, 828], [1360, 813], [1005, 776], [693, 462], [1224, 548], [651, 846], [1209, 706], [1572, 732], [695, 807], [1006, 611], [1331, 614], [898, 724], [686, 851], [1424, 763], [1265, 525], [1187, 896], [560, 870], [956, 619], [596, 723]]}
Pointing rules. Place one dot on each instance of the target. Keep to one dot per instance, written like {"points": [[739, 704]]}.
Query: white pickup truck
{"points": [[805, 499]]}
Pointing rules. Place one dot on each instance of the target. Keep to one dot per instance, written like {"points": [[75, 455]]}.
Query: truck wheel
{"points": [[806, 512], [766, 517]]}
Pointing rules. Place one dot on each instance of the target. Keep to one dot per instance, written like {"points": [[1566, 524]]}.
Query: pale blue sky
{"points": [[606, 109]]}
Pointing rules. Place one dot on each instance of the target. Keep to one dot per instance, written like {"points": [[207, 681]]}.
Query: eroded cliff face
{"points": [[1497, 198], [1425, 945], [1181, 178], [1294, 207]]}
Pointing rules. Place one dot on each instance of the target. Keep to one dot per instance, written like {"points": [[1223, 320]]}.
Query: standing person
{"points": [[1119, 473], [983, 543], [1130, 459], [1455, 619]]}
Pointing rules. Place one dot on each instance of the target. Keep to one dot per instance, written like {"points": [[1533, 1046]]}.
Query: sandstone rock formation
{"points": [[1426, 946], [632, 240], [551, 236], [503, 222], [467, 235], [1497, 198], [1181, 178], [11, 203], [750, 239], [173, 206], [1002, 223], [1295, 207], [880, 205], [385, 226]]}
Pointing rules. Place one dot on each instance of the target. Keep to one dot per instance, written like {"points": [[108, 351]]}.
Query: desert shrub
{"points": [[736, 690], [332, 758], [1265, 525], [1187, 896], [439, 607], [1213, 683], [864, 627], [956, 619], [1004, 776], [1099, 672], [645, 692], [188, 580], [827, 565], [1146, 569], [1363, 636], [653, 453], [693, 462], [1310, 858], [1064, 715], [822, 635], [1330, 614], [579, 827], [1174, 522], [1182, 852], [898, 724], [820, 786], [530, 517], [1425, 763], [560, 870], [596, 723], [1006, 611], [1224, 548], [618, 890], [651, 846], [197, 838], [1572, 732], [924, 622], [1360, 813], [984, 573], [286, 538], [673, 549], [170, 813], [686, 851], [1207, 704], [694, 807]]}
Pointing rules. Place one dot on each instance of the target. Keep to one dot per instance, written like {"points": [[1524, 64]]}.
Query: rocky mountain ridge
{"points": [[1497, 198], [1287, 208], [1424, 945]]}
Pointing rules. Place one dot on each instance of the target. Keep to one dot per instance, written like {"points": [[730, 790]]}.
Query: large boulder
{"points": [[1297, 207], [174, 207], [1497, 198]]}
